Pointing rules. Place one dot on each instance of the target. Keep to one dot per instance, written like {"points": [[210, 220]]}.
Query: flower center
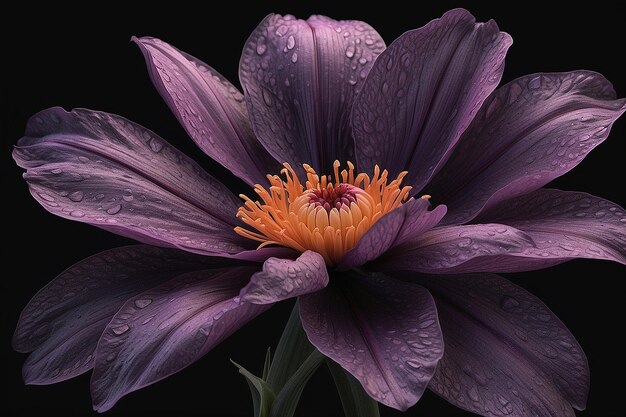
{"points": [[328, 216]]}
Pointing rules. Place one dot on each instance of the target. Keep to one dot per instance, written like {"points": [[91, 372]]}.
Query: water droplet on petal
{"points": [[46, 197], [350, 50], [143, 302], [281, 30], [472, 393], [260, 46], [77, 213], [414, 364], [115, 209], [535, 83], [128, 195], [76, 196], [155, 145], [120, 329], [291, 42]]}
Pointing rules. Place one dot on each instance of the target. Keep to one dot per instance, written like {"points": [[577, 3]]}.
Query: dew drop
{"points": [[143, 302], [414, 364], [46, 197], [350, 50], [472, 393], [260, 46], [535, 83], [291, 42], [77, 213], [121, 329], [281, 30], [76, 196], [115, 209], [128, 195], [155, 145]]}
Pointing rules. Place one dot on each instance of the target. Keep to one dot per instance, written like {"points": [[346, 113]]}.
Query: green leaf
{"points": [[262, 394], [285, 375], [292, 350], [256, 398], [287, 399], [266, 365], [355, 401]]}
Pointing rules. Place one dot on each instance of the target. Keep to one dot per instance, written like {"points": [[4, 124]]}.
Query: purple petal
{"points": [[406, 222], [506, 352], [165, 329], [300, 78], [454, 249], [564, 225], [64, 321], [384, 332], [283, 278], [424, 91], [528, 132], [261, 255], [538, 230], [211, 110], [101, 169]]}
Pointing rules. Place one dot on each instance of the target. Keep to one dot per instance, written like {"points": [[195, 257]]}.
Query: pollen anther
{"points": [[328, 214]]}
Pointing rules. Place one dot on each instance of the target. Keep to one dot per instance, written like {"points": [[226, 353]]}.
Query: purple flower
{"points": [[384, 279]]}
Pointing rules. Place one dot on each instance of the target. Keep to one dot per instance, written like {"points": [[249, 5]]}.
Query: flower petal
{"points": [[299, 79], [529, 132], [506, 352], [211, 109], [538, 230], [384, 332], [281, 279], [101, 169], [63, 321], [564, 225], [406, 222], [424, 91], [165, 329], [454, 249]]}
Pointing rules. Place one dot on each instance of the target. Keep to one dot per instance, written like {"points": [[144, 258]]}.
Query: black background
{"points": [[84, 59]]}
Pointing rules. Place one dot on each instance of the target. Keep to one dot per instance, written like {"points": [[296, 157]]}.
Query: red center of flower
{"points": [[342, 195], [327, 214]]}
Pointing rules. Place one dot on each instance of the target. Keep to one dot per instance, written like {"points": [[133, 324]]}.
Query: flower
{"points": [[384, 279]]}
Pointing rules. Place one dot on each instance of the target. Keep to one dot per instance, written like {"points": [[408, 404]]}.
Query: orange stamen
{"points": [[328, 217]]}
